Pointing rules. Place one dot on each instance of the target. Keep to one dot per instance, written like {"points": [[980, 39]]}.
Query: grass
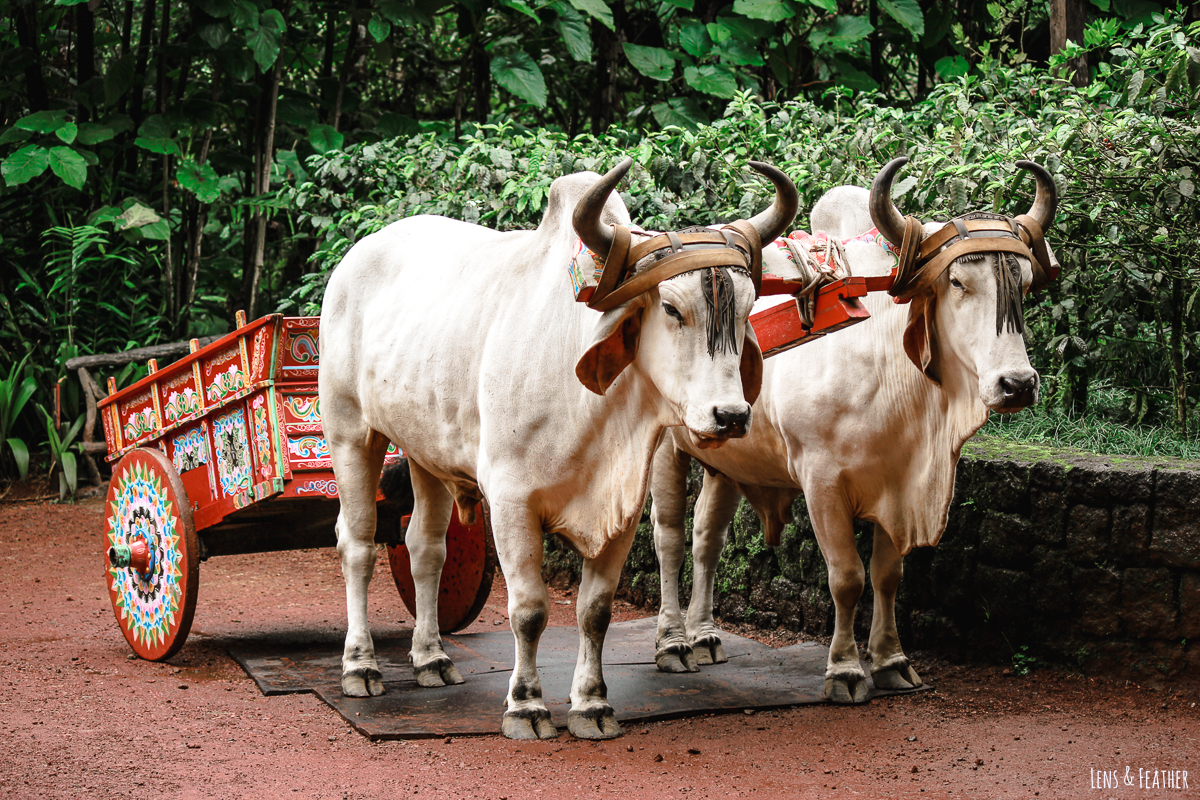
{"points": [[1106, 429]]}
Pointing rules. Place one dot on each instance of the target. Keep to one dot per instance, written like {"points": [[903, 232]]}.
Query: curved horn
{"points": [[885, 216], [1045, 202], [771, 223], [586, 220]]}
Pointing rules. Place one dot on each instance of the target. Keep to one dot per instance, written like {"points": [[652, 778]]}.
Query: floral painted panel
{"points": [[233, 451], [189, 451]]}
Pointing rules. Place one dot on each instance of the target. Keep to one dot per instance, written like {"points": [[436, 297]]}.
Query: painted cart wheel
{"points": [[151, 554], [466, 576]]}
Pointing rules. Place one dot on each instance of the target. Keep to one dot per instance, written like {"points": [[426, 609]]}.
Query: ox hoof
{"points": [[676, 658], [847, 688], [439, 672], [708, 650], [594, 723], [529, 723], [896, 676], [362, 682]]}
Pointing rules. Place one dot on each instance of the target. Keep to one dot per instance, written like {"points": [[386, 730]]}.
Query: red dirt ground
{"points": [[80, 719]]}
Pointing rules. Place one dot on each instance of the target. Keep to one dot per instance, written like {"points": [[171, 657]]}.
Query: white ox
{"points": [[851, 423], [463, 345]]}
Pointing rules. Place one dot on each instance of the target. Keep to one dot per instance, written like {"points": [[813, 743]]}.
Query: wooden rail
{"points": [[92, 392]]}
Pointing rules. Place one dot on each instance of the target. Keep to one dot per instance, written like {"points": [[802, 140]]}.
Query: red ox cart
{"points": [[222, 453]]}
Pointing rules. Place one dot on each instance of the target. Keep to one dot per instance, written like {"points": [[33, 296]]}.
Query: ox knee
{"points": [[529, 621]]}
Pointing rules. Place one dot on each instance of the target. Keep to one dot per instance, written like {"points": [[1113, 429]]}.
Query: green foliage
{"points": [[1128, 211], [15, 392], [62, 456]]}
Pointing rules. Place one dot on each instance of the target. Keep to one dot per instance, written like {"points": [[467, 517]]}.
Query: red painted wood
{"points": [[779, 328], [146, 505], [466, 576]]}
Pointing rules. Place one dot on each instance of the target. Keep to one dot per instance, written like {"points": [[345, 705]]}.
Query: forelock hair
{"points": [[1007, 271]]}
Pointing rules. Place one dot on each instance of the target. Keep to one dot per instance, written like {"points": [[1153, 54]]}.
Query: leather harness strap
{"points": [[922, 260], [689, 251]]}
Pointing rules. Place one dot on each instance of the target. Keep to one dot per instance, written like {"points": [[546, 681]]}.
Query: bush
{"points": [[1122, 151]]}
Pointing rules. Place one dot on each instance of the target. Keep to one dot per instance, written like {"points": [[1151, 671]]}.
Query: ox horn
{"points": [[1045, 202], [586, 220], [771, 223], [885, 216]]}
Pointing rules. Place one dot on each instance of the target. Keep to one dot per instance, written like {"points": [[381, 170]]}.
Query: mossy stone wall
{"points": [[1085, 561]]}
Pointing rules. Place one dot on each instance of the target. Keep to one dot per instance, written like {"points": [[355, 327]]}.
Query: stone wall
{"points": [[1081, 561]]}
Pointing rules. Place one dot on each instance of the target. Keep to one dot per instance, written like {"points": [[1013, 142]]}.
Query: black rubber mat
{"points": [[756, 676]]}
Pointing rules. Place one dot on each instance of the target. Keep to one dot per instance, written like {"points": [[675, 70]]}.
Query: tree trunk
{"points": [[85, 59], [1067, 18], [252, 275], [139, 81], [876, 45], [347, 65], [25, 19], [608, 59]]}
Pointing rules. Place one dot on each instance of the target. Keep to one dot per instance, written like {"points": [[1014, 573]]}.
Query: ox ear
{"points": [[614, 345], [920, 339], [751, 366]]}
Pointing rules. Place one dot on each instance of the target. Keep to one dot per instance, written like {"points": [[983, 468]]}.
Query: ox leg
{"points": [[845, 681], [715, 509], [357, 465], [591, 717], [668, 484], [519, 549], [889, 666], [426, 542]]}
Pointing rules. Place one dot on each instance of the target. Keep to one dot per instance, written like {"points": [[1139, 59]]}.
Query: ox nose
{"points": [[1019, 388], [731, 422]]}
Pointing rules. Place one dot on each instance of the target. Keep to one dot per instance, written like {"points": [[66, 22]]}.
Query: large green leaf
{"points": [[683, 112], [68, 165], [855, 78], [215, 34], [951, 67], [751, 30], [653, 62], [694, 38], [715, 80], [518, 73], [324, 138], [770, 10], [156, 126], [597, 9], [15, 135], [20, 455], [574, 30], [907, 13], [404, 13], [522, 7], [829, 6], [156, 144], [841, 33], [137, 216], [265, 43], [200, 179], [380, 29], [119, 77], [737, 51], [686, 5], [67, 132], [271, 18], [25, 164], [42, 121]]}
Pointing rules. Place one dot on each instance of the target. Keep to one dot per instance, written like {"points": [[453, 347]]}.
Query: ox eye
{"points": [[957, 284], [672, 311]]}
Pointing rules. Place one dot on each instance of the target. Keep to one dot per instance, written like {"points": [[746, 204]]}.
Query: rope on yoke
{"points": [[819, 264]]}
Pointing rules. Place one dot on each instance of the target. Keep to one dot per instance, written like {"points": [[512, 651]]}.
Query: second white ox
{"points": [[462, 345], [867, 424]]}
